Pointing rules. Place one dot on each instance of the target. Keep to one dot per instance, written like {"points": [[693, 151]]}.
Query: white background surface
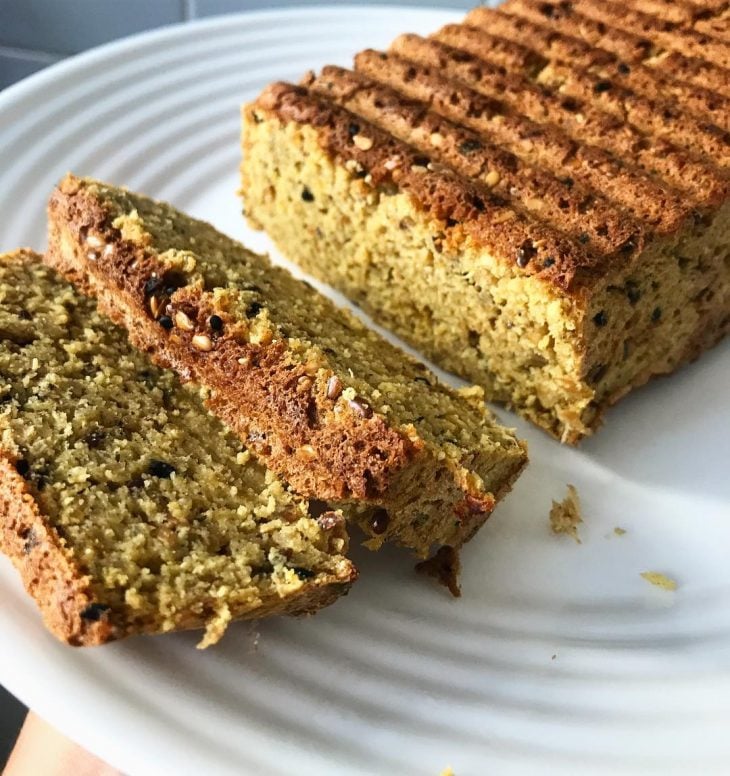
{"points": [[558, 658]]}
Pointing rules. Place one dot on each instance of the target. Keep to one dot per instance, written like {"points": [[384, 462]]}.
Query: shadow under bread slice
{"points": [[331, 406], [126, 507]]}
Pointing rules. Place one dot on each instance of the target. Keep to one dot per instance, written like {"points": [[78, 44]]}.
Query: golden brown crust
{"points": [[459, 52], [571, 208], [541, 144], [678, 103], [662, 33], [624, 43], [49, 573], [465, 207], [255, 387]]}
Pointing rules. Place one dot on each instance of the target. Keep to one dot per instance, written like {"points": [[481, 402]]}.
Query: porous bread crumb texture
{"points": [[126, 506], [565, 515], [540, 204], [660, 580], [334, 408]]}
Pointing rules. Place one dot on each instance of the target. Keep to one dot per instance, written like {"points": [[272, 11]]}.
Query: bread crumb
{"points": [[565, 515], [444, 567], [619, 531], [659, 580]]}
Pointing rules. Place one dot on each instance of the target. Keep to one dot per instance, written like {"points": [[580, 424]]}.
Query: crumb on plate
{"points": [[444, 567], [565, 515], [659, 580]]}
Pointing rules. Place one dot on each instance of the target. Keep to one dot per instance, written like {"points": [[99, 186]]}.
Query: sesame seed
{"points": [[307, 452], [202, 342], [362, 142], [493, 178], [94, 241], [155, 306], [334, 387], [183, 322]]}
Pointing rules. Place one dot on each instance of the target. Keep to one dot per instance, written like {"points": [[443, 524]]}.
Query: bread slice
{"points": [[537, 198], [126, 507], [329, 405]]}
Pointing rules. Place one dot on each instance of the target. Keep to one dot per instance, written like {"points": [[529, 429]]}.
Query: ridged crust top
{"points": [[562, 136]]}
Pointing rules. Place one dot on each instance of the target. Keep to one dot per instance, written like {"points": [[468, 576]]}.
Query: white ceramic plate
{"points": [[559, 658]]}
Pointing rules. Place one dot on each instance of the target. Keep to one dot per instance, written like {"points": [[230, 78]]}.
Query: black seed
{"points": [[254, 309], [307, 195], [216, 323], [601, 86], [166, 322], [22, 467], [628, 247], [303, 574], [353, 129], [598, 372], [94, 612], [160, 469], [656, 314], [479, 204], [600, 318], [470, 146], [569, 182], [379, 521], [361, 174], [584, 238], [632, 291], [524, 253], [153, 286], [30, 541], [94, 438], [549, 262], [623, 68], [421, 161], [451, 222]]}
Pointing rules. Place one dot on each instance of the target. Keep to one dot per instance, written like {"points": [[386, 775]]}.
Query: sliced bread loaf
{"points": [[126, 506], [328, 404]]}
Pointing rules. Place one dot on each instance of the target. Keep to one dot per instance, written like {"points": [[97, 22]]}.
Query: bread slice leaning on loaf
{"points": [[126, 507], [332, 407]]}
